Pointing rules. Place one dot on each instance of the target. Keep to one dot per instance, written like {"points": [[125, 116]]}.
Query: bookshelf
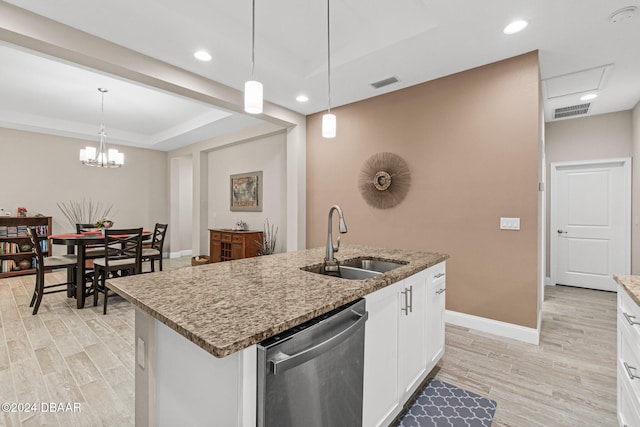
{"points": [[13, 238]]}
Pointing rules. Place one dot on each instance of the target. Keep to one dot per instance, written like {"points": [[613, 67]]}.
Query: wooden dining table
{"points": [[80, 241]]}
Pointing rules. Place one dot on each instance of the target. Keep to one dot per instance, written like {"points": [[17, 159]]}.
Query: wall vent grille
{"points": [[385, 82], [573, 110]]}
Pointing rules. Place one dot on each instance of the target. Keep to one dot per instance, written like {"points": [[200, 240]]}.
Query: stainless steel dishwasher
{"points": [[311, 375]]}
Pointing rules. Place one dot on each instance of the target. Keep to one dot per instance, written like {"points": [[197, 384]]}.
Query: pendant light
{"points": [[328, 119], [253, 88], [102, 157]]}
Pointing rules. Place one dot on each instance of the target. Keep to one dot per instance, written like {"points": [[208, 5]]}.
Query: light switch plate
{"points": [[141, 352], [509, 223]]}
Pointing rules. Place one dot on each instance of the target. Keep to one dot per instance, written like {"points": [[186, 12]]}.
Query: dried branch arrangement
{"points": [[84, 211], [269, 236]]}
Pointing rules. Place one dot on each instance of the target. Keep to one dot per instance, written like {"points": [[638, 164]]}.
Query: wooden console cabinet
{"points": [[225, 245]]}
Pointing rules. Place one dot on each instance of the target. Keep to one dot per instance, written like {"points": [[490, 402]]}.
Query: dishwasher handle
{"points": [[280, 362]]}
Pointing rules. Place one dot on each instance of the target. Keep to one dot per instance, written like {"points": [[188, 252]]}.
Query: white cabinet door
{"points": [[381, 397], [397, 343], [412, 335], [436, 291]]}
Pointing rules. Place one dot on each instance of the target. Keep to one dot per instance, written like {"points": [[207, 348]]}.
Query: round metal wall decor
{"points": [[384, 180]]}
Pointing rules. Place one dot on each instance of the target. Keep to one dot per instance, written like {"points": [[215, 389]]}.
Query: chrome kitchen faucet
{"points": [[330, 263]]}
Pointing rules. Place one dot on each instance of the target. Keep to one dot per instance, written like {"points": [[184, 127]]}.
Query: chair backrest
{"points": [[123, 243], [158, 236], [81, 227], [35, 244]]}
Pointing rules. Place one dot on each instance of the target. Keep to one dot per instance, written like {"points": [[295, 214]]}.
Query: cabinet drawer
{"points": [[237, 239], [215, 235], [629, 313], [225, 237], [438, 272], [628, 410], [628, 360]]}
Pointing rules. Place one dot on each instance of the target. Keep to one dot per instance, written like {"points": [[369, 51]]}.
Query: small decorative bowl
{"points": [[24, 264]]}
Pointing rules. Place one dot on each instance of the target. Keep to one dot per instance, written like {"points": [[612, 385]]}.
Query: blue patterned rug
{"points": [[445, 405]]}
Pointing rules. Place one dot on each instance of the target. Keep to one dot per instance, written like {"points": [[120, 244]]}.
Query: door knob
{"points": [[562, 232]]}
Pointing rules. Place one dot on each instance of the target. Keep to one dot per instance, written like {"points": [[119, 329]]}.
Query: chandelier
{"points": [[102, 157]]}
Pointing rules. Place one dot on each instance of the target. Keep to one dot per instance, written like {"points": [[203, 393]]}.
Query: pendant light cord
{"points": [[328, 55], [253, 35]]}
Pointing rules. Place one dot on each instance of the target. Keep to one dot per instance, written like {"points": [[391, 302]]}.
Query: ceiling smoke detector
{"points": [[623, 14]]}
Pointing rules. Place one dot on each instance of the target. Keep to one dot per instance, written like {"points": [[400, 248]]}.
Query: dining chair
{"points": [[154, 252], [45, 264], [123, 255], [91, 251]]}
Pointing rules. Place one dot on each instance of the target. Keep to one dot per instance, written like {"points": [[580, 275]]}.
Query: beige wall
{"points": [[471, 143], [265, 154], [635, 192], [40, 170], [603, 136]]}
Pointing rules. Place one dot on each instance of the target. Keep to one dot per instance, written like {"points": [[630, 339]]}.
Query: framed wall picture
{"points": [[246, 192]]}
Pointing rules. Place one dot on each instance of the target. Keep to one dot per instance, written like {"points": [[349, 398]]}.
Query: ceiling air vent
{"points": [[573, 110], [384, 82]]}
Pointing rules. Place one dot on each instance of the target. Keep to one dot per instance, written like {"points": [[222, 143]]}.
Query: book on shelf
{"points": [[9, 248], [7, 265], [3, 231]]}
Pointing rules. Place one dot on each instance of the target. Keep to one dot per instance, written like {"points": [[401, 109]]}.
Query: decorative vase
{"points": [[103, 231], [24, 264]]}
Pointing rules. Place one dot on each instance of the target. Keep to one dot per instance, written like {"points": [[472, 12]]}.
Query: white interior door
{"points": [[591, 220]]}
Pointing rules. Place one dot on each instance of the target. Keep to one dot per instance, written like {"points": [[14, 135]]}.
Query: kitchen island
{"points": [[184, 316]]}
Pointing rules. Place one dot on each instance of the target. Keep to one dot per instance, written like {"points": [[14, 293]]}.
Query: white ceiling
{"points": [[413, 40]]}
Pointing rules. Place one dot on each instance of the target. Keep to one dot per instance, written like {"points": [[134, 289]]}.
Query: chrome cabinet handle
{"points": [[630, 319], [628, 368], [441, 290], [405, 292], [281, 362], [439, 275], [411, 299]]}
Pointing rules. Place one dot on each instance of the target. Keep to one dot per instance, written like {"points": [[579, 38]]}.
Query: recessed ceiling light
{"points": [[515, 27], [302, 98], [588, 97], [202, 55]]}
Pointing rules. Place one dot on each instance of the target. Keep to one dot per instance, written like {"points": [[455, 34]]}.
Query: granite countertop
{"points": [[228, 306], [631, 284]]}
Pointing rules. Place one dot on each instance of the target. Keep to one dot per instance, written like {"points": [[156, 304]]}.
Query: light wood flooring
{"points": [[568, 380], [64, 355]]}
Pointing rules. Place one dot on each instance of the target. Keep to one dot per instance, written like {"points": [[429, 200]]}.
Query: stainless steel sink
{"points": [[359, 269], [350, 273], [372, 264]]}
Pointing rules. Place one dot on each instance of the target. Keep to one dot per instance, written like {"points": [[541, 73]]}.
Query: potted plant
{"points": [[268, 244], [104, 223]]}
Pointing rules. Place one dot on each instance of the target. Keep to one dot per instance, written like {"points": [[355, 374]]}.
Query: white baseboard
{"points": [[180, 254], [503, 329], [548, 282]]}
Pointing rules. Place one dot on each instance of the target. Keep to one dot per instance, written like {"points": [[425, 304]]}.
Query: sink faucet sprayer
{"points": [[330, 263]]}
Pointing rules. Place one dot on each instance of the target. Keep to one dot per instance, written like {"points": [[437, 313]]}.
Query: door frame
{"points": [[553, 223]]}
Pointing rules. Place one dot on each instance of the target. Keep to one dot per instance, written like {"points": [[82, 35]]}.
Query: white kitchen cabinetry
{"points": [[381, 394], [399, 352], [436, 291], [628, 360], [412, 334]]}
